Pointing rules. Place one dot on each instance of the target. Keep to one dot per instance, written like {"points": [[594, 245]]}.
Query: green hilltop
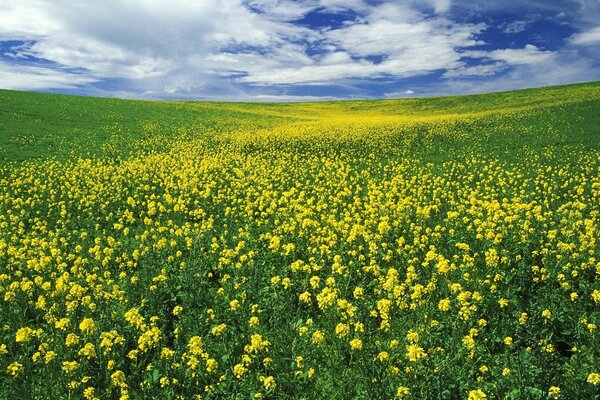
{"points": [[43, 125]]}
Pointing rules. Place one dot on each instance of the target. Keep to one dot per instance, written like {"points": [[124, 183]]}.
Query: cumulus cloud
{"points": [[476, 70], [35, 78], [591, 36], [166, 48], [392, 40], [529, 54]]}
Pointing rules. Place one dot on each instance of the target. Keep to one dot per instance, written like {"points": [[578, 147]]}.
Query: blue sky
{"points": [[286, 50]]}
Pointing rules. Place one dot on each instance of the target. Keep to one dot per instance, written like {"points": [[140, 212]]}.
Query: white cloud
{"points": [[391, 40], [591, 36], [183, 47], [476, 70], [409, 91], [37, 78], [515, 26], [530, 54]]}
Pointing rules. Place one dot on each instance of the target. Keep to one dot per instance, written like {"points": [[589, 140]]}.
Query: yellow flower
{"points": [[383, 227], [87, 326], [356, 344], [383, 356], [257, 343], [523, 318], [554, 392], [304, 297], [239, 370], [195, 345], [149, 339], [14, 369], [342, 330], [118, 378], [415, 352], [444, 304], [402, 391], [134, 318], [49, 356], [268, 382], [218, 330], [177, 310], [70, 366], [234, 304], [318, 337], [358, 293], [477, 394], [88, 351], [412, 336], [593, 378], [23, 335], [211, 365], [508, 341]]}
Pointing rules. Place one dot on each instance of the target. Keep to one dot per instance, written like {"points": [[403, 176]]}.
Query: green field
{"points": [[431, 248]]}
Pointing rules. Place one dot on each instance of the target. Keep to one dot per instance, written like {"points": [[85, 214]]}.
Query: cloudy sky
{"points": [[295, 49]]}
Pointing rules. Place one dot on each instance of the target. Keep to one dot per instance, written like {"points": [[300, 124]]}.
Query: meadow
{"points": [[435, 248]]}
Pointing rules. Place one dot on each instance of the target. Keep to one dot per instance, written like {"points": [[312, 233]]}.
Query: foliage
{"points": [[423, 249]]}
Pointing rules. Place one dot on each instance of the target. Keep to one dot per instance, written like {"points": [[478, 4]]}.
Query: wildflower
{"points": [[88, 351], [195, 345], [593, 378], [211, 365], [177, 310], [257, 343], [14, 369], [383, 356], [253, 321], [444, 305], [49, 356], [239, 370], [415, 353], [87, 326], [118, 378], [358, 293], [218, 330], [477, 394], [149, 339], [402, 391], [523, 318], [554, 392], [318, 337], [304, 297], [342, 330], [268, 382], [23, 335], [356, 344], [70, 366]]}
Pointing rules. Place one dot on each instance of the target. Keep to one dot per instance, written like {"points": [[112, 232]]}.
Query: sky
{"points": [[295, 50]]}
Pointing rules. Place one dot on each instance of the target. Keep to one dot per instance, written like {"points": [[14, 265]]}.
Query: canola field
{"points": [[442, 248]]}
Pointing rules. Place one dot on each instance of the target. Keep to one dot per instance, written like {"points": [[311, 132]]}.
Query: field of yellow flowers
{"points": [[443, 248]]}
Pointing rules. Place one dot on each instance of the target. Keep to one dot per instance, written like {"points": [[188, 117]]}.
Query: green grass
{"points": [[39, 125], [446, 247]]}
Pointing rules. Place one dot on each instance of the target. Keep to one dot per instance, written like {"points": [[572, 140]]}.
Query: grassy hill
{"points": [[38, 125], [438, 248]]}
